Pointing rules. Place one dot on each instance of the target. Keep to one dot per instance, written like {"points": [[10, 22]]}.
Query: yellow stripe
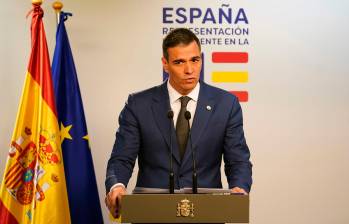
{"points": [[34, 114], [230, 77], [116, 220]]}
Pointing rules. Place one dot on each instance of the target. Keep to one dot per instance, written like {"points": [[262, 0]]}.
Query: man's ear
{"points": [[164, 64]]}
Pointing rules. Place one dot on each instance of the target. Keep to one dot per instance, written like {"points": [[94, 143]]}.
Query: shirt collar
{"points": [[174, 95]]}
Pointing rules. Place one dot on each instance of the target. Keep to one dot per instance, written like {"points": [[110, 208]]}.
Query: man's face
{"points": [[183, 66]]}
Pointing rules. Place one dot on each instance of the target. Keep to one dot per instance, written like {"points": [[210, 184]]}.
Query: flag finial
{"points": [[37, 2], [57, 6]]}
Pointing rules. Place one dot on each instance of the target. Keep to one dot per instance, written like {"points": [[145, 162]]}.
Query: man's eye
{"points": [[178, 62]]}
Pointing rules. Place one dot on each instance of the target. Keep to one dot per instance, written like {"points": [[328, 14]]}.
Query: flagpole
{"points": [[57, 6]]}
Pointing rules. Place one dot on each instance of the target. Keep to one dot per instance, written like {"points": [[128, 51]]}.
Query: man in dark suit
{"points": [[145, 129]]}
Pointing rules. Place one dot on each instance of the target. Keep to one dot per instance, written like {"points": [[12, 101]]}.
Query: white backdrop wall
{"points": [[297, 117]]}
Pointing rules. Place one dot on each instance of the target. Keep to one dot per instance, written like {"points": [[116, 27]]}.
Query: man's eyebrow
{"points": [[196, 57]]}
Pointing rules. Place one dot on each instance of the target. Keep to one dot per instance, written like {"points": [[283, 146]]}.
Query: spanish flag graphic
{"points": [[33, 189]]}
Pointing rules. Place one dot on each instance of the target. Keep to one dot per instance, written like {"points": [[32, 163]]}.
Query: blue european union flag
{"points": [[82, 189]]}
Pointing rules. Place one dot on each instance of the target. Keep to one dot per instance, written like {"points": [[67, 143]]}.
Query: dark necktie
{"points": [[182, 126]]}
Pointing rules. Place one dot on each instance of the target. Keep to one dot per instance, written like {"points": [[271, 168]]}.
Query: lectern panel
{"points": [[185, 208]]}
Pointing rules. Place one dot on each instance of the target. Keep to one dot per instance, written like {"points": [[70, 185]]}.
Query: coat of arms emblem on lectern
{"points": [[185, 208]]}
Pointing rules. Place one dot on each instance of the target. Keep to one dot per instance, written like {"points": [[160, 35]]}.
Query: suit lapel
{"points": [[160, 107], [203, 112]]}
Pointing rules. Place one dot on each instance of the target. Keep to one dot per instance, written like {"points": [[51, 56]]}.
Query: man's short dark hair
{"points": [[176, 37]]}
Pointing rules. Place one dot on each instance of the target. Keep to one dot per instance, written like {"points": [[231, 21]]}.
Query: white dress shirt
{"points": [[175, 102]]}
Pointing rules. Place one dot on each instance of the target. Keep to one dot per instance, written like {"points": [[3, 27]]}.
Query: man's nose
{"points": [[188, 69]]}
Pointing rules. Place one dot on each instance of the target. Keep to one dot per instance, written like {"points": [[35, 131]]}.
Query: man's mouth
{"points": [[189, 80]]}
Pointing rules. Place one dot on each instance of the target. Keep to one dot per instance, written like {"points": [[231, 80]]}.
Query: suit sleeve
{"points": [[238, 167], [126, 147]]}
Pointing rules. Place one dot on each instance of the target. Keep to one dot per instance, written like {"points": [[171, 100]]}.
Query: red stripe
{"points": [[13, 172], [11, 183], [241, 95], [16, 174], [229, 57], [10, 170], [6, 216], [17, 184], [39, 63]]}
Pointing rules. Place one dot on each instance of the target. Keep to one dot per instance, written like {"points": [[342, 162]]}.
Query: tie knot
{"points": [[184, 100]]}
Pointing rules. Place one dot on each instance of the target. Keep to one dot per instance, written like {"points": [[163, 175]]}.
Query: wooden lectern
{"points": [[185, 208]]}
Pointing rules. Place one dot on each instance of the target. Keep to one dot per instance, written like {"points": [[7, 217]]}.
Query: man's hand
{"points": [[113, 199], [237, 190]]}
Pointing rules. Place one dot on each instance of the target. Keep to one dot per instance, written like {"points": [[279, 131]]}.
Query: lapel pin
{"points": [[208, 107]]}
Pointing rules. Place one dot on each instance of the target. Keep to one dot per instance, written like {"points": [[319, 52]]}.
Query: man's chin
{"points": [[189, 87]]}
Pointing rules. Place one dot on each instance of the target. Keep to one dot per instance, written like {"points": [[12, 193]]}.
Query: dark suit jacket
{"points": [[144, 131]]}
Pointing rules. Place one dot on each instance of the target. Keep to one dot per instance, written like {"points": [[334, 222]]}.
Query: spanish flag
{"points": [[33, 189]]}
